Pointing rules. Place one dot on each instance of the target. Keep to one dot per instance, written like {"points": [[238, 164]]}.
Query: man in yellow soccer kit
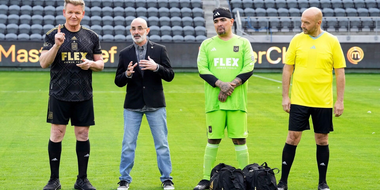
{"points": [[312, 55]]}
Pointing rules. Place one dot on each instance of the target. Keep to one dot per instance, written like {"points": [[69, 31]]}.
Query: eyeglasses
{"points": [[138, 28]]}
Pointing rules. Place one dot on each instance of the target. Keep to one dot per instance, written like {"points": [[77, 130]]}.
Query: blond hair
{"points": [[74, 2]]}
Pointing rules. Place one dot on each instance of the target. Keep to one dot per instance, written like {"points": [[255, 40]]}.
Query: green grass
{"points": [[24, 134]]}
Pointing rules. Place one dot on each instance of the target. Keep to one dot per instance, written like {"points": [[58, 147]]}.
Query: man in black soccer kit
{"points": [[73, 53]]}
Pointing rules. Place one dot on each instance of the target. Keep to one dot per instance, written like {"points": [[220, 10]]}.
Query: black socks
{"points": [[288, 155], [54, 150], [323, 155], [83, 154]]}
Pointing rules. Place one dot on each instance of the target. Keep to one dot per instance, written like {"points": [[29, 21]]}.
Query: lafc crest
{"points": [[74, 45], [236, 48]]}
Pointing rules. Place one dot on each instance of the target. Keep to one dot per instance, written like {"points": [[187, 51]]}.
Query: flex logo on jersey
{"points": [[73, 57], [226, 62]]}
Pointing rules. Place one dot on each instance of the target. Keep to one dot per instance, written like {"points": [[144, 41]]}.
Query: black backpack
{"points": [[260, 177], [226, 177]]}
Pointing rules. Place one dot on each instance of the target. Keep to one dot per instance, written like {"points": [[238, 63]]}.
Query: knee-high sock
{"points": [[288, 155], [54, 150], [209, 159], [242, 155], [83, 154], [323, 155]]}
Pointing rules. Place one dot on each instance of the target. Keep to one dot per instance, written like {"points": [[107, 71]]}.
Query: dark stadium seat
{"points": [[97, 29], [118, 3], [107, 20], [363, 12], [164, 21], [152, 3], [200, 30], [186, 11], [355, 24], [371, 4], [274, 24], [272, 12], [200, 38], [303, 4], [119, 20], [49, 10], [283, 12], [128, 30], [37, 19], [166, 30], [187, 21], [163, 11], [176, 21], [14, 9], [119, 38], [13, 19], [35, 37], [343, 24], [374, 12], [36, 29], [294, 12], [184, 3], [327, 12], [258, 3], [285, 24], [96, 11], [326, 4], [23, 37], [260, 12], [177, 30], [49, 2], [107, 3], [348, 4], [188, 30], [49, 19], [107, 38], [359, 4], [107, 11], [178, 38], [141, 12], [154, 30], [96, 20], [262, 24], [85, 20], [235, 10], [337, 4], [292, 4], [25, 9], [281, 4], [2, 36], [153, 21], [60, 19], [25, 19], [247, 3], [196, 3], [2, 28], [332, 23], [166, 38], [189, 38], [314, 3], [351, 12], [236, 4], [140, 3], [197, 12], [367, 24], [339, 12], [38, 10], [377, 23], [174, 3], [128, 20], [130, 11], [155, 38], [152, 11], [59, 10], [46, 28], [15, 2], [199, 21], [96, 3], [175, 11], [11, 37], [297, 24], [3, 18], [248, 12], [27, 2], [162, 3], [270, 4], [120, 30], [129, 3]]}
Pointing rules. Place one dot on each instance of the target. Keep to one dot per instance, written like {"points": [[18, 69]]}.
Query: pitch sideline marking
{"points": [[268, 79]]}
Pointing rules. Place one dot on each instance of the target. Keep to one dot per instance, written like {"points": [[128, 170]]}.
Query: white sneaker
{"points": [[123, 185], [167, 185]]}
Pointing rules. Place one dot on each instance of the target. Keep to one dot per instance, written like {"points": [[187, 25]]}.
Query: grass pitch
{"points": [[354, 145]]}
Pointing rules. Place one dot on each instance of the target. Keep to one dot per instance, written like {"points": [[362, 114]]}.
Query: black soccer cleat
{"points": [[203, 184], [53, 184], [323, 186], [282, 186], [83, 184]]}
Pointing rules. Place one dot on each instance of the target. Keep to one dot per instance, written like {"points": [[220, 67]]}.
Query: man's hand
{"points": [[338, 108], [130, 69], [222, 96], [148, 64], [286, 104], [86, 64], [59, 38], [225, 87], [236, 82]]}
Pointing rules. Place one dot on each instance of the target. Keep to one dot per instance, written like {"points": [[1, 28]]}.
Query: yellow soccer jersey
{"points": [[314, 59]]}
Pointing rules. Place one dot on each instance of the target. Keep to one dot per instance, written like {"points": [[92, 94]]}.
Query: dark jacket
{"points": [[144, 89]]}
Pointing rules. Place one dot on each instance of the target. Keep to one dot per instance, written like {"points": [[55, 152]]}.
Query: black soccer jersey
{"points": [[68, 82]]}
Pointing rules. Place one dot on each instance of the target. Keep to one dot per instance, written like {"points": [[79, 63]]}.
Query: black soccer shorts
{"points": [[321, 117]]}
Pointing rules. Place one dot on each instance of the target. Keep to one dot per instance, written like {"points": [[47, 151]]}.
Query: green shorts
{"points": [[235, 122]]}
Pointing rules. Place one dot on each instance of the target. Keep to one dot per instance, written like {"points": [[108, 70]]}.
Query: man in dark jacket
{"points": [[142, 66]]}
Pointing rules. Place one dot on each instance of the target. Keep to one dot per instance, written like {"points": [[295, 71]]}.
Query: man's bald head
{"points": [[140, 22], [313, 12], [311, 21]]}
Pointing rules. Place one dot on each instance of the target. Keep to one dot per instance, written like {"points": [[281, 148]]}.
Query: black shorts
{"points": [[80, 113], [321, 117]]}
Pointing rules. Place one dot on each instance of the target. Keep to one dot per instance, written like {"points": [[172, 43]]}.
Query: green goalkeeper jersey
{"points": [[225, 60]]}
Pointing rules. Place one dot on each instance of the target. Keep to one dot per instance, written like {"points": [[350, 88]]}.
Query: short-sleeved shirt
{"points": [[314, 59], [226, 60], [69, 82]]}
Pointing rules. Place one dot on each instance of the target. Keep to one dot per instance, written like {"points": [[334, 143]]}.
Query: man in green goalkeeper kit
{"points": [[225, 62]]}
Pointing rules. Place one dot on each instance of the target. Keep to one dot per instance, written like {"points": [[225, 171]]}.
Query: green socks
{"points": [[209, 159], [242, 155]]}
